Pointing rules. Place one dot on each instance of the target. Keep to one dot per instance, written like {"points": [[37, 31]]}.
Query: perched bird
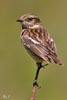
{"points": [[37, 41]]}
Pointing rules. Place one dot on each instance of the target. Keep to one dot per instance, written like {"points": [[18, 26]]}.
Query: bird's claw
{"points": [[36, 84]]}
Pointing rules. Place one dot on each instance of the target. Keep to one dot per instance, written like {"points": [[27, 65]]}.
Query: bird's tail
{"points": [[57, 61]]}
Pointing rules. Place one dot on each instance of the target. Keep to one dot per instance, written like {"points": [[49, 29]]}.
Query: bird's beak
{"points": [[19, 20]]}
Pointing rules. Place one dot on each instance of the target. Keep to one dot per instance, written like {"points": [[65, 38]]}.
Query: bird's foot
{"points": [[36, 84]]}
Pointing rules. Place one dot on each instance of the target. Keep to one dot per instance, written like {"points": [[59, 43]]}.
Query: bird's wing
{"points": [[40, 44], [50, 44], [35, 46]]}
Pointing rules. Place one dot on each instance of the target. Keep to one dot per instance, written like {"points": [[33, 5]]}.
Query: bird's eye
{"points": [[30, 19]]}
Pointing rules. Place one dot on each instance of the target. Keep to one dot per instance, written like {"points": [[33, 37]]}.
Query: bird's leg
{"points": [[39, 66], [35, 84]]}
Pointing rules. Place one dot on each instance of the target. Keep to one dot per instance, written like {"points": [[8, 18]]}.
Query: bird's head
{"points": [[29, 21]]}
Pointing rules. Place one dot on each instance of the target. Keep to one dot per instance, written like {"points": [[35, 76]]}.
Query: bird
{"points": [[38, 42]]}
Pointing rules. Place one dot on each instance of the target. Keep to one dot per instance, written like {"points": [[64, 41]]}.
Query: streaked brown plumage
{"points": [[37, 40]]}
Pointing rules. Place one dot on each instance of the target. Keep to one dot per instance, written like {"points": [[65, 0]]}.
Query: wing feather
{"points": [[42, 45], [35, 46]]}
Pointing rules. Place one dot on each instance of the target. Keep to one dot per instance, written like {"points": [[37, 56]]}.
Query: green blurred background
{"points": [[17, 68]]}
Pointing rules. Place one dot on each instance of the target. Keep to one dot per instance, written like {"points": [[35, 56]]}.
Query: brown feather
{"points": [[45, 49]]}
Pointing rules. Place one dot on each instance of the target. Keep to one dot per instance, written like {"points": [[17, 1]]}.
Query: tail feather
{"points": [[57, 61]]}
